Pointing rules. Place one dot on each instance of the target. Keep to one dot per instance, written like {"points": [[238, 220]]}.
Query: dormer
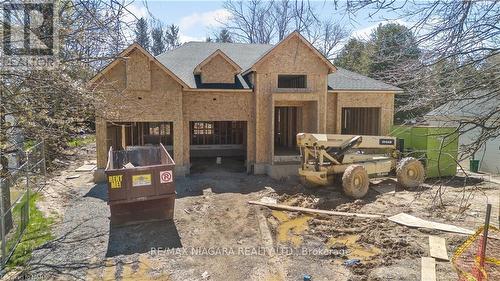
{"points": [[217, 68]]}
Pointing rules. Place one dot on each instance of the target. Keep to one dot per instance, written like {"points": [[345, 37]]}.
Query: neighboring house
{"points": [[477, 106], [225, 99]]}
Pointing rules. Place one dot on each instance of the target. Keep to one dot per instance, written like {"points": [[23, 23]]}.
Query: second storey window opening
{"points": [[292, 81]]}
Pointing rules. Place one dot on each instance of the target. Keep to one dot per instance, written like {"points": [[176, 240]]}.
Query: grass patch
{"points": [[81, 141], [28, 144], [38, 232]]}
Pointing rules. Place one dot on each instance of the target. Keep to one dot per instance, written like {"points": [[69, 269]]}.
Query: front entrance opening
{"points": [[217, 145], [361, 120], [286, 120]]}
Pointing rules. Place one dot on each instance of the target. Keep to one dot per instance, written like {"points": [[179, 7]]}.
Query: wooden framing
{"points": [[144, 90], [361, 120]]}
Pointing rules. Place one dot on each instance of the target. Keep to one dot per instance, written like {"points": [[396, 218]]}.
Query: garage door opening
{"points": [[218, 145], [121, 135], [361, 121]]}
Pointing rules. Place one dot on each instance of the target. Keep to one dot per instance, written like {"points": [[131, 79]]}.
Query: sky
{"points": [[199, 19]]}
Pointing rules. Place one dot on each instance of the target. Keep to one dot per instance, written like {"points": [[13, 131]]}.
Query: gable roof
{"points": [[331, 67], [181, 63], [125, 53], [477, 104], [184, 59], [345, 80], [217, 52]]}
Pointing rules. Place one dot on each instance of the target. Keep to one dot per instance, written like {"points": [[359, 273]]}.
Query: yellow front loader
{"points": [[355, 159]]}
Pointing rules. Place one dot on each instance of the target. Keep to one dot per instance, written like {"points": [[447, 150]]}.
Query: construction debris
{"points": [[313, 211], [412, 221], [437, 248], [205, 275], [269, 200], [128, 166], [352, 262], [86, 168], [72, 176], [428, 270]]}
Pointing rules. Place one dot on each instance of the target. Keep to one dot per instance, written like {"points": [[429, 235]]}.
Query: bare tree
{"points": [[326, 36], [459, 64], [267, 22], [283, 16], [250, 21], [55, 104], [463, 35]]}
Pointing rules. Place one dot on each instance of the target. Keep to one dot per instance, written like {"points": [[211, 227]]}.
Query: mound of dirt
{"points": [[299, 200]]}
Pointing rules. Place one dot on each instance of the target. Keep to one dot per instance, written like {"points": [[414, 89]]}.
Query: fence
{"points": [[16, 189]]}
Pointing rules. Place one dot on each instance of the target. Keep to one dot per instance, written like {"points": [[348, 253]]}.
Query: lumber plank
{"points": [[312, 211], [86, 168], [428, 269], [437, 248], [409, 220]]}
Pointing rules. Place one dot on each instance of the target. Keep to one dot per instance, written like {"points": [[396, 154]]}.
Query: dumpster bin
{"points": [[437, 145], [140, 184]]}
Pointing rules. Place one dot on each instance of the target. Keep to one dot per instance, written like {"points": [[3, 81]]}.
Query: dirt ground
{"points": [[216, 235]]}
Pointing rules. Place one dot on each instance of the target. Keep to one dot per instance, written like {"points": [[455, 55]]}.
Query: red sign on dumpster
{"points": [[165, 176]]}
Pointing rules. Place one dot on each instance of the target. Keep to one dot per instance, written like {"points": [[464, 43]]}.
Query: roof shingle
{"points": [[183, 60]]}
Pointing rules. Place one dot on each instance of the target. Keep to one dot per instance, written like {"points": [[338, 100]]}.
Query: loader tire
{"points": [[355, 181], [410, 172]]}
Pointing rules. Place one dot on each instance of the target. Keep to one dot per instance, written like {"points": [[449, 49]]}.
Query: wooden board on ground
{"points": [[412, 221], [312, 211], [72, 176], [437, 248], [428, 270], [86, 168]]}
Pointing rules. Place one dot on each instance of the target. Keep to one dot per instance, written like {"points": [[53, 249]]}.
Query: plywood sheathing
{"points": [[127, 101], [292, 56], [138, 72], [218, 106], [366, 99], [139, 89], [217, 68], [331, 113]]}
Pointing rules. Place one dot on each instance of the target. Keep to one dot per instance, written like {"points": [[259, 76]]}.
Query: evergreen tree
{"points": [[158, 39], [172, 37], [355, 56], [224, 36], [394, 46], [141, 33]]}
